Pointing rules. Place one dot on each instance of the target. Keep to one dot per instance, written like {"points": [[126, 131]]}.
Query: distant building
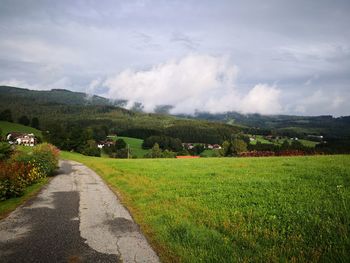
{"points": [[20, 138], [216, 147], [100, 145], [317, 137], [188, 146], [106, 143]]}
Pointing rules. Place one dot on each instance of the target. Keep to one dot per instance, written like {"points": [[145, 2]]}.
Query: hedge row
{"points": [[24, 169], [277, 153]]}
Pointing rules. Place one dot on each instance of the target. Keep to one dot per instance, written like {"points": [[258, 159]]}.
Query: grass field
{"points": [[272, 209], [7, 127], [134, 144], [261, 139]]}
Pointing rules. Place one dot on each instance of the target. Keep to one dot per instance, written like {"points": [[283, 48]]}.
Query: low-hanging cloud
{"points": [[195, 82], [321, 102]]}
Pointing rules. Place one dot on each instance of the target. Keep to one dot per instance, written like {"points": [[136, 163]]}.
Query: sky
{"points": [[251, 56]]}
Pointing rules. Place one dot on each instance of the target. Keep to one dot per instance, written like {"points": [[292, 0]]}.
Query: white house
{"points": [[26, 139]]}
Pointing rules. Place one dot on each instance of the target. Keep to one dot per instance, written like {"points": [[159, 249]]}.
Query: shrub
{"points": [[168, 154], [24, 169], [44, 156], [92, 151], [5, 150], [272, 153], [14, 177]]}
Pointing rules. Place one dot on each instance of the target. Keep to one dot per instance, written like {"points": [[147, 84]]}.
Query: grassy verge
{"points": [[237, 209], [11, 204]]}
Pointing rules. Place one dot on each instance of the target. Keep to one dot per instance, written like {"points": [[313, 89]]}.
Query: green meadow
{"points": [[135, 146], [7, 127], [272, 209]]}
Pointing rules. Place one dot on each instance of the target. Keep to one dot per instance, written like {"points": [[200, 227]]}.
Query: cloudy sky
{"points": [[270, 57]]}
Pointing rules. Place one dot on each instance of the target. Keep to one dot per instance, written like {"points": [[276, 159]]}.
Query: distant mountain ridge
{"points": [[290, 125], [60, 96], [62, 104]]}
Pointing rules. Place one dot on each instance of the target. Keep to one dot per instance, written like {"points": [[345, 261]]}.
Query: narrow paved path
{"points": [[75, 218]]}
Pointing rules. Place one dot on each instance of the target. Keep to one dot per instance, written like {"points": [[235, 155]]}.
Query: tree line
{"points": [[6, 115]]}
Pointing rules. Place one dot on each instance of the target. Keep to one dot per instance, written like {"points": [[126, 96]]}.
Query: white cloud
{"points": [[39, 51], [63, 83], [262, 99], [320, 102], [195, 82], [18, 83]]}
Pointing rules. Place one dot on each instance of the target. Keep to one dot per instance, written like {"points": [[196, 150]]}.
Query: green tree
{"points": [[285, 145], [164, 142], [156, 152], [6, 115], [24, 120], [35, 123], [5, 150], [296, 145], [183, 152], [168, 154], [120, 144], [197, 149], [225, 151], [91, 149], [122, 153], [100, 133], [237, 146], [234, 147]]}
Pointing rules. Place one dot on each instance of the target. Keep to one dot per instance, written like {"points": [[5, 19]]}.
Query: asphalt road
{"points": [[75, 218]]}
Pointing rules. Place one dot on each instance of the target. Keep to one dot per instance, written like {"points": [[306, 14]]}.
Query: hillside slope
{"points": [[57, 96], [61, 109], [288, 125], [7, 127]]}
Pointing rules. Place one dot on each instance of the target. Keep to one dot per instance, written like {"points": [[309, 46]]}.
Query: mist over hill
{"points": [[68, 106]]}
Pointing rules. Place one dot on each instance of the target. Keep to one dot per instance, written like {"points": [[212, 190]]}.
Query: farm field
{"points": [[236, 209], [261, 139], [134, 144], [7, 127]]}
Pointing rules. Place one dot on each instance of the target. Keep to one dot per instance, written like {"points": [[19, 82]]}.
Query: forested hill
{"points": [[69, 108], [58, 96], [72, 112], [288, 125]]}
